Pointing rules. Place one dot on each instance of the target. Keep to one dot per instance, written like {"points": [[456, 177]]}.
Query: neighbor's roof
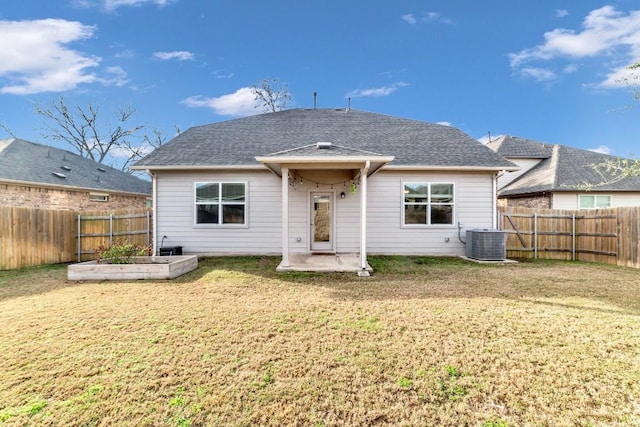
{"points": [[238, 142], [516, 147], [28, 162], [570, 169]]}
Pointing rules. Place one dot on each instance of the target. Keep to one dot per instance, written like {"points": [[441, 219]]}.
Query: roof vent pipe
{"points": [[315, 99]]}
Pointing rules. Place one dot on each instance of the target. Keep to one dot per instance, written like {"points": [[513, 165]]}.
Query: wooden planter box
{"points": [[144, 267]]}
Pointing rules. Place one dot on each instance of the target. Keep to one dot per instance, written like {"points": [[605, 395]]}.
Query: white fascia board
{"points": [[452, 168]]}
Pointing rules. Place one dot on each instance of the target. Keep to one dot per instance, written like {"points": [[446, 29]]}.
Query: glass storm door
{"points": [[321, 221]]}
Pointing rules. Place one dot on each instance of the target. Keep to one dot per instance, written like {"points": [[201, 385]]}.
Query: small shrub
{"points": [[121, 252]]}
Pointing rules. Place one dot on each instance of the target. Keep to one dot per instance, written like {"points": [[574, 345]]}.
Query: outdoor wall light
{"points": [[342, 195]]}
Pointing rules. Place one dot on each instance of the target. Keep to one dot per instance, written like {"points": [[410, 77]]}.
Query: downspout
{"points": [[496, 177], [363, 216]]}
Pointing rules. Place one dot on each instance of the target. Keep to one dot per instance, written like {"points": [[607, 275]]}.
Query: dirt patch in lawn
{"points": [[424, 341]]}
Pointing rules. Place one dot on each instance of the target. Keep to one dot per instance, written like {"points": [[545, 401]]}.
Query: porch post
{"points": [[285, 217], [363, 215]]}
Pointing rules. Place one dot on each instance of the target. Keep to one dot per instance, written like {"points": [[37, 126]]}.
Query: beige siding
{"points": [[618, 200], [175, 214], [386, 235], [525, 165]]}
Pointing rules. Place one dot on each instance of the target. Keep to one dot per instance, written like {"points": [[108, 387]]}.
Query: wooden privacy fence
{"points": [[30, 237], [601, 235]]}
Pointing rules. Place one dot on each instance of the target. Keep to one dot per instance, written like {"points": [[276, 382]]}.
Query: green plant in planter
{"points": [[121, 252]]}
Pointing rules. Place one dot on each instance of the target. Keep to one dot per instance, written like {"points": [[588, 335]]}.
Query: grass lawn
{"points": [[424, 341]]}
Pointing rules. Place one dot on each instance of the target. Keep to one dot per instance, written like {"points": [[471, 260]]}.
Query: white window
{"points": [[98, 197], [220, 203], [428, 203], [594, 201]]}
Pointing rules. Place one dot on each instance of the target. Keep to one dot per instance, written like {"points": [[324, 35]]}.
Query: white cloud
{"points": [[180, 55], [116, 77], [111, 5], [376, 92], [444, 123], [34, 56], [409, 18], [601, 149], [607, 33], [570, 69], [562, 13], [539, 74], [487, 139], [240, 103], [426, 17]]}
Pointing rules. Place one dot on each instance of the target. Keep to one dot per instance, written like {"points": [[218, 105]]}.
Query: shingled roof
{"points": [[27, 162], [569, 169], [238, 142], [516, 147]]}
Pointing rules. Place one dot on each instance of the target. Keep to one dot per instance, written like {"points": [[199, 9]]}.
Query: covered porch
{"points": [[324, 206]]}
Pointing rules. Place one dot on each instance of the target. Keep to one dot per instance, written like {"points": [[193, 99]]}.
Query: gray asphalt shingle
{"points": [[237, 142], [567, 169], [27, 161]]}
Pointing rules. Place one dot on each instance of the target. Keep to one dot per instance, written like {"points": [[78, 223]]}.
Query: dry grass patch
{"points": [[424, 341]]}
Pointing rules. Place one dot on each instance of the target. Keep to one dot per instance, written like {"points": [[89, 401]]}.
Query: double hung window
{"points": [[220, 202], [428, 203], [593, 201]]}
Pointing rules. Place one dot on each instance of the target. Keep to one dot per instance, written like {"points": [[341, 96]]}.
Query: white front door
{"points": [[322, 222]]}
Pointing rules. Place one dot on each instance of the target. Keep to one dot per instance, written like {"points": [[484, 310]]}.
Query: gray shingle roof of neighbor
{"points": [[570, 169], [516, 147], [26, 161], [238, 142]]}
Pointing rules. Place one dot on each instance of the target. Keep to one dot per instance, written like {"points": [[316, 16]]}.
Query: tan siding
{"points": [[618, 199], [474, 208], [175, 214]]}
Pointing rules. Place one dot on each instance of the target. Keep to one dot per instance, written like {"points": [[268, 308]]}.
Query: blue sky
{"points": [[546, 70]]}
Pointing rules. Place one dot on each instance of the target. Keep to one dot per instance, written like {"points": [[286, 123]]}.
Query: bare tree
{"points": [[82, 129], [271, 95]]}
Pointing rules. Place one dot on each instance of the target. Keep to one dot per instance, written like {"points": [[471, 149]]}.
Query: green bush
{"points": [[121, 252]]}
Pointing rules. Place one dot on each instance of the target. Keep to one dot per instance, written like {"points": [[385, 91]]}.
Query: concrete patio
{"points": [[348, 262]]}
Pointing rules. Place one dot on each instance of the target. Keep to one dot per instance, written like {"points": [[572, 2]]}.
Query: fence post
{"points": [[535, 235], [573, 236], [110, 230], [79, 238], [148, 232]]}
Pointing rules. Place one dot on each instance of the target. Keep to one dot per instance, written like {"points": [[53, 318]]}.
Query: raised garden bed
{"points": [[143, 267]]}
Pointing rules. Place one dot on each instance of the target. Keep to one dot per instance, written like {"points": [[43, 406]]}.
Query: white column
{"points": [[285, 217], [363, 215]]}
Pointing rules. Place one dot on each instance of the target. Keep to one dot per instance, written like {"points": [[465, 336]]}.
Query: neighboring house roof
{"points": [[27, 162], [238, 142], [566, 169], [516, 147]]}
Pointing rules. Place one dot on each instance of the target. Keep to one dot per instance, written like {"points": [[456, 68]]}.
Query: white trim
{"points": [[324, 159], [154, 204], [428, 203], [220, 224], [450, 168], [196, 167], [332, 225], [363, 215], [285, 218]]}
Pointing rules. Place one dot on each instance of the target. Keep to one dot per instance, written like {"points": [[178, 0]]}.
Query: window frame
{"points": [[220, 205], [98, 197], [595, 201], [429, 203]]}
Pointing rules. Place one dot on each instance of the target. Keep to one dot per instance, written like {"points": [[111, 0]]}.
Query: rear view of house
{"points": [[322, 181]]}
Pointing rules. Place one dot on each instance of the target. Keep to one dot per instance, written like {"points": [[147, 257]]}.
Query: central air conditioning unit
{"points": [[486, 245]]}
